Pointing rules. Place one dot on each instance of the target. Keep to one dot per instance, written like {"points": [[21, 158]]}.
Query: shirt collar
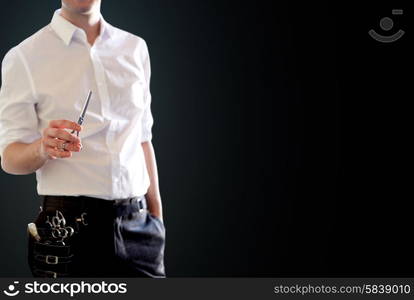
{"points": [[65, 29]]}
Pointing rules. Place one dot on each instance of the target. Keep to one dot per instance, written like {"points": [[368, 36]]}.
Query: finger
{"points": [[51, 142], [65, 124], [62, 134], [59, 154], [58, 143]]}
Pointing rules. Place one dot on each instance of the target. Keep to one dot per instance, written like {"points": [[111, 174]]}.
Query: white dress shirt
{"points": [[47, 77]]}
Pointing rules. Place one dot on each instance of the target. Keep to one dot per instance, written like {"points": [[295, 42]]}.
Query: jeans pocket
{"points": [[157, 219], [142, 241]]}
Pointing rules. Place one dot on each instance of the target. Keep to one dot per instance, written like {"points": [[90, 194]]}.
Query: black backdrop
{"points": [[279, 134]]}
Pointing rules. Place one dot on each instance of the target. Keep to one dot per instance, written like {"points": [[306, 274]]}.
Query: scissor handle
{"points": [[70, 230], [57, 233], [59, 219]]}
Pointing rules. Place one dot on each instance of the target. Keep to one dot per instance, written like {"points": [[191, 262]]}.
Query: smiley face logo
{"points": [[11, 292], [387, 24]]}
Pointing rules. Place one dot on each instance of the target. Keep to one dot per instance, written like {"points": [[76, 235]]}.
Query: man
{"points": [[106, 178]]}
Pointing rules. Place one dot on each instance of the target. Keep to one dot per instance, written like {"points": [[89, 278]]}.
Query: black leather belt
{"points": [[94, 206]]}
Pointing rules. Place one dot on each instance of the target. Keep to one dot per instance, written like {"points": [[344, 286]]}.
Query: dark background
{"points": [[280, 133]]}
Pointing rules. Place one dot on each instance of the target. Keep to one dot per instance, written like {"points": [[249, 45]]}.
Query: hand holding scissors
{"points": [[56, 142]]}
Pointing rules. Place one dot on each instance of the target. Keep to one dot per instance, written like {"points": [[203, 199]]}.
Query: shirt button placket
{"points": [[99, 78], [104, 97]]}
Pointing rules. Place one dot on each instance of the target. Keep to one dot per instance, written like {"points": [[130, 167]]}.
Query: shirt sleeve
{"points": [[18, 118], [147, 119]]}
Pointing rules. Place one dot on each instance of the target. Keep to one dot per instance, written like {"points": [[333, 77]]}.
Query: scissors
{"points": [[59, 228], [82, 115]]}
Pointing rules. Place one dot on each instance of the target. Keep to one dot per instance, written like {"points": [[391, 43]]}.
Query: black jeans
{"points": [[112, 239]]}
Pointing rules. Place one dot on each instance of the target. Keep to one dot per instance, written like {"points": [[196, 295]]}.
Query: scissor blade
{"points": [[82, 115], [85, 106]]}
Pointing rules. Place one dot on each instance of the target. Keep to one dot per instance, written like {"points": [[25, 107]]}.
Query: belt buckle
{"points": [[54, 261], [53, 274], [140, 204], [141, 209]]}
